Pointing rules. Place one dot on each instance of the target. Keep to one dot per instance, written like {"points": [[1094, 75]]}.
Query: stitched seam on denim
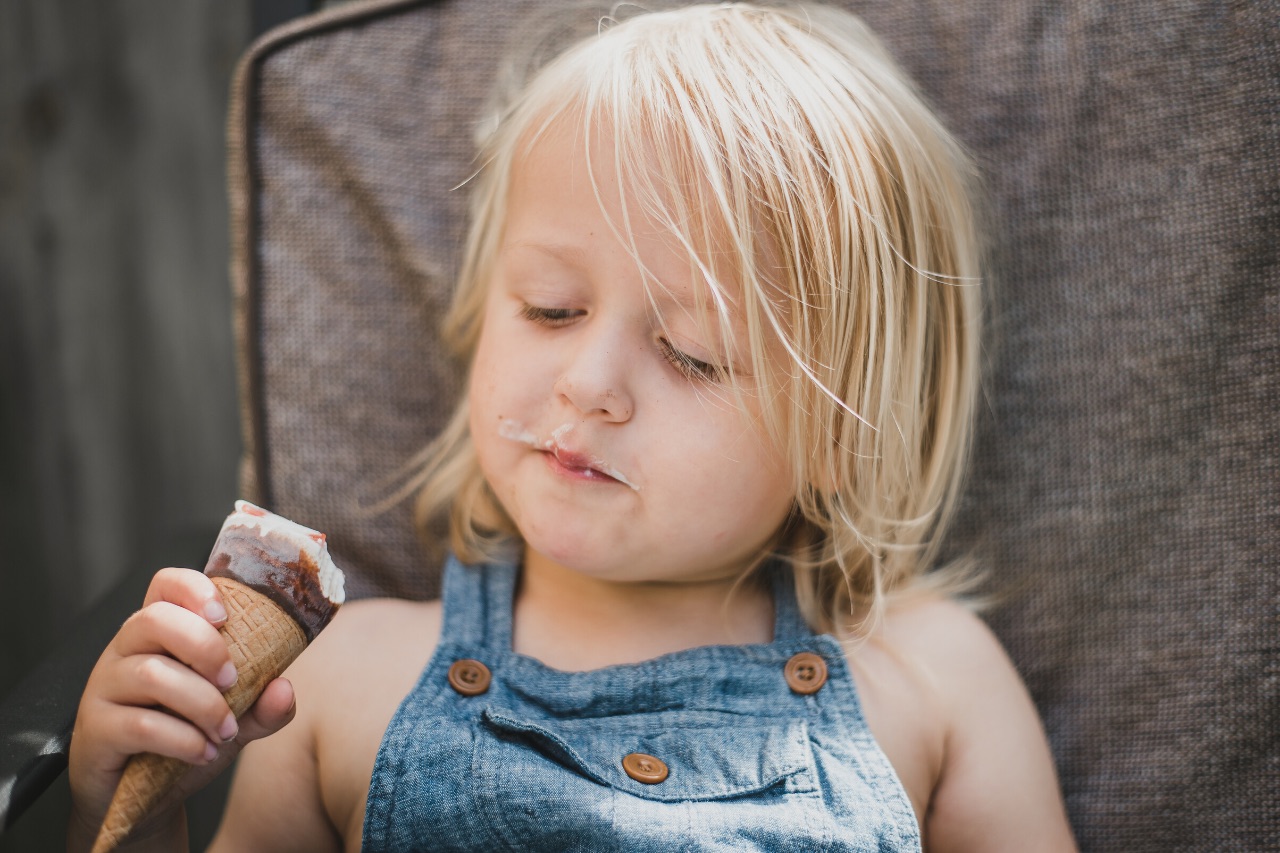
{"points": [[462, 604], [497, 599], [844, 708], [487, 795]]}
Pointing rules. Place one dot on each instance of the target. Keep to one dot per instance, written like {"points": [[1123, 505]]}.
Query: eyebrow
{"points": [[566, 253]]}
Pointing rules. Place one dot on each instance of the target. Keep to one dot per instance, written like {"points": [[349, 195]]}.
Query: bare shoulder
{"points": [[947, 640], [374, 649], [366, 632], [348, 684], [904, 675], [374, 652], [995, 786]]}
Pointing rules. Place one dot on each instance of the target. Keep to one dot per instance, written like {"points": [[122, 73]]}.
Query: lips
{"points": [[579, 464], [572, 463], [570, 459]]}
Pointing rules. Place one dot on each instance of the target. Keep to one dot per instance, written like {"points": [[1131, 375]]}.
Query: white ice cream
{"points": [[515, 431], [311, 541]]}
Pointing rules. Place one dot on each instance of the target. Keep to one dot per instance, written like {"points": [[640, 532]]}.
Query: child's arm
{"points": [[156, 688], [276, 800], [998, 789], [305, 788]]}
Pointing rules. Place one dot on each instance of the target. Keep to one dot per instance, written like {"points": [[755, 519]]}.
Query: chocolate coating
{"points": [[275, 566]]}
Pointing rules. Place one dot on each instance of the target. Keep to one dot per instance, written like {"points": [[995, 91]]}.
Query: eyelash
{"points": [[689, 366], [547, 316]]}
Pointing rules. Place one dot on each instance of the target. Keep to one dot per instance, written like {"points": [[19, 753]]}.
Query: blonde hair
{"points": [[815, 180]]}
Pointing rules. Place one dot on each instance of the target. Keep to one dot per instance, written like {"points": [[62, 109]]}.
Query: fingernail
{"points": [[215, 612], [210, 751], [226, 676], [228, 729]]}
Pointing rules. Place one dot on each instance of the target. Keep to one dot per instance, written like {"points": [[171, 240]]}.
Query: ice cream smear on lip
{"points": [[515, 431], [283, 560]]}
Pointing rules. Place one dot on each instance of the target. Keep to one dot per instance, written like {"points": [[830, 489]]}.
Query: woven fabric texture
{"points": [[1126, 493]]}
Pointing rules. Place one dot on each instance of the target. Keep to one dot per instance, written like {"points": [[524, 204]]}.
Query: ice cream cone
{"points": [[263, 640], [146, 778], [280, 588]]}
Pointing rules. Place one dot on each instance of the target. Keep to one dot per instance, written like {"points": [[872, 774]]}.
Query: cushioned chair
{"points": [[1127, 484]]}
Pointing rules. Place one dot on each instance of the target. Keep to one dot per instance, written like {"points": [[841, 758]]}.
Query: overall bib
{"points": [[719, 748]]}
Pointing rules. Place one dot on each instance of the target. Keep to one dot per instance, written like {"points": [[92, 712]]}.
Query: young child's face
{"points": [[593, 422]]}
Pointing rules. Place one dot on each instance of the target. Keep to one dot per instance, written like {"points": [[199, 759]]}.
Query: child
{"points": [[721, 300]]}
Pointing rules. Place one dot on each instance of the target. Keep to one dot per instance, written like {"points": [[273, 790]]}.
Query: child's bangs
{"points": [[711, 146]]}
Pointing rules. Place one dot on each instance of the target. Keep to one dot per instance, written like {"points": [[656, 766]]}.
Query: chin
{"points": [[588, 559], [574, 557]]}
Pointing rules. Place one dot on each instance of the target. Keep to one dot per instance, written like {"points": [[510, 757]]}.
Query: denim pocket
{"points": [[710, 756]]}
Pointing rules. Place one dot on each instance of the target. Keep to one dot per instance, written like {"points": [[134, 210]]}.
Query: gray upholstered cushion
{"points": [[1127, 487]]}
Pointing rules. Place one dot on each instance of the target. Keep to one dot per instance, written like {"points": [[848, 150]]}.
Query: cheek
{"points": [[485, 401], [510, 358], [729, 477], [493, 373], [480, 393]]}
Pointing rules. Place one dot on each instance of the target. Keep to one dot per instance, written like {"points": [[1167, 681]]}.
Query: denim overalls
{"points": [[726, 748]]}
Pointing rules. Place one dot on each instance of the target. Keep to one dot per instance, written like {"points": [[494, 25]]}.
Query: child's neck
{"points": [[574, 622]]}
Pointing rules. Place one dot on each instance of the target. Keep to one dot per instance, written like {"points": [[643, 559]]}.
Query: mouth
{"points": [[588, 466], [570, 462]]}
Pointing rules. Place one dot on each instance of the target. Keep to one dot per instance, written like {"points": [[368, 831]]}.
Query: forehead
{"points": [[570, 203], [575, 195]]}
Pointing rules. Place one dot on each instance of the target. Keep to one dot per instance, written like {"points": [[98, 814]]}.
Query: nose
{"points": [[595, 381]]}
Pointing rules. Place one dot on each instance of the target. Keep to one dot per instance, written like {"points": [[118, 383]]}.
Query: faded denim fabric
{"points": [[535, 762]]}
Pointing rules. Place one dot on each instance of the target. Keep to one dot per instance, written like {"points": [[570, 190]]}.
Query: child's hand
{"points": [[157, 688]]}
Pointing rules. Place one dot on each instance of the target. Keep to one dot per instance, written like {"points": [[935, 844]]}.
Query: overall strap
{"points": [[788, 623], [477, 605]]}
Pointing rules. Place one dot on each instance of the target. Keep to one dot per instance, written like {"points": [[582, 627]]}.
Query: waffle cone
{"points": [[263, 640]]}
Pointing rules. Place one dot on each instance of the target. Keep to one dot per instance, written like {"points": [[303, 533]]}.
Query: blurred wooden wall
{"points": [[118, 425]]}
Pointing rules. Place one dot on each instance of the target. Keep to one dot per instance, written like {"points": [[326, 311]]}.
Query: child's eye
{"points": [[548, 316], [690, 366]]}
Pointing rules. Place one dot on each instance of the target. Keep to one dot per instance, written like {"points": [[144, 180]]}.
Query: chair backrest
{"points": [[1127, 484]]}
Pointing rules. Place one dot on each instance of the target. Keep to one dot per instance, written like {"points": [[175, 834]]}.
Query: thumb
{"points": [[274, 709]]}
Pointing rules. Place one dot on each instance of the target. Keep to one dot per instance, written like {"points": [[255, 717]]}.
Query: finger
{"points": [[133, 730], [189, 589], [169, 629], [148, 680], [275, 708]]}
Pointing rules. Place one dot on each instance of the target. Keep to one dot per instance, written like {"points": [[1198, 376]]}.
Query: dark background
{"points": [[119, 420], [119, 436]]}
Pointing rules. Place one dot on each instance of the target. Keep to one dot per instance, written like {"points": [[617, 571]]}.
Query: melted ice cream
{"points": [[515, 431]]}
